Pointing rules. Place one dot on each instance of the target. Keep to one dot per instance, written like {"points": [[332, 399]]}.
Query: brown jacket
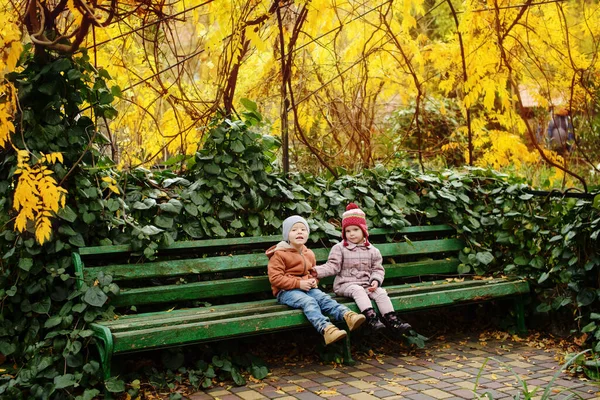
{"points": [[287, 267]]}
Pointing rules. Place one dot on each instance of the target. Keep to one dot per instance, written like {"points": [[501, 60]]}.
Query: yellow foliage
{"points": [[10, 49], [37, 195]]}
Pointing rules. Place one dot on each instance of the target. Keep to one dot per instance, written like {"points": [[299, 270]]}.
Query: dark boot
{"points": [[373, 320], [395, 324]]}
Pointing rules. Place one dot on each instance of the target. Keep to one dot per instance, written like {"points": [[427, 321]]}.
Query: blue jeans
{"points": [[314, 304]]}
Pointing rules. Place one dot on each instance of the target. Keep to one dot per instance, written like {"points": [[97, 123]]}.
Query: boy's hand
{"points": [[374, 286], [308, 284]]}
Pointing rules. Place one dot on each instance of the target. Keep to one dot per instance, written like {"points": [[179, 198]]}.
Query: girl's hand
{"points": [[313, 273], [374, 286]]}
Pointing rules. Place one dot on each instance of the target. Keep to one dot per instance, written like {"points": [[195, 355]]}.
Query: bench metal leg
{"points": [[520, 315], [347, 352], [104, 343]]}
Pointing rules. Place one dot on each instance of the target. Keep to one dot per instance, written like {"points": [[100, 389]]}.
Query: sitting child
{"points": [[358, 270], [290, 266]]}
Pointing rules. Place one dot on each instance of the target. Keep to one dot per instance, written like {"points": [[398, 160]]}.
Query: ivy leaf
{"points": [[431, 212], [463, 269], [77, 240], [7, 348], [67, 214], [148, 203], [259, 371], [42, 307], [90, 394], [151, 230], [95, 296], [114, 385], [25, 264], [237, 377], [591, 327], [521, 260], [63, 381], [485, 257], [212, 169], [53, 321], [586, 297], [163, 221], [543, 277], [596, 203]]}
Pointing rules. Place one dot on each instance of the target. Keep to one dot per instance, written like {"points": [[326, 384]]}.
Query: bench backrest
{"points": [[209, 270]]}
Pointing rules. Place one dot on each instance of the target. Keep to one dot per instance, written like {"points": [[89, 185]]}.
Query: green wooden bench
{"points": [[209, 290]]}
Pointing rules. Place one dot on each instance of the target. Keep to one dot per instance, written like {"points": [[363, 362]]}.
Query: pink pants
{"points": [[363, 298]]}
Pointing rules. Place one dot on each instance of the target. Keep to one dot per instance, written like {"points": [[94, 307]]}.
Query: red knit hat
{"points": [[354, 216]]}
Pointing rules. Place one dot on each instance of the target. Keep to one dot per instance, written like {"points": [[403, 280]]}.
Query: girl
{"points": [[357, 266]]}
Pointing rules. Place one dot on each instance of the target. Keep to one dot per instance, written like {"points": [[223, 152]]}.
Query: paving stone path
{"points": [[446, 369]]}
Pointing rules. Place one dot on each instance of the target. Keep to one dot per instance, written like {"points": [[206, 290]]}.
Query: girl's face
{"points": [[298, 235], [354, 234]]}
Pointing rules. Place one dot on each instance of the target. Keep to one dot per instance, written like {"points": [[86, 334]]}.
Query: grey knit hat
{"points": [[291, 221]]}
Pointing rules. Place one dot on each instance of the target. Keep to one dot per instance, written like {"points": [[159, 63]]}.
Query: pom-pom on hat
{"points": [[354, 216], [291, 221]]}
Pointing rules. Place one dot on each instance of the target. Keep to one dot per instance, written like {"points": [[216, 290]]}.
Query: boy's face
{"points": [[354, 234], [298, 234]]}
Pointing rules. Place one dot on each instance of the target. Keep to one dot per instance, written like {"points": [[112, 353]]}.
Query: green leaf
{"points": [[67, 230], [591, 327], [586, 297], [596, 203], [146, 204], [77, 240], [7, 348], [163, 221], [53, 321], [521, 260], [237, 377], [114, 385], [249, 104], [25, 264], [90, 394], [431, 212], [63, 381], [151, 230], [42, 307], [463, 269], [259, 371], [537, 262], [485, 257], [212, 169], [543, 277], [95, 296], [67, 214]]}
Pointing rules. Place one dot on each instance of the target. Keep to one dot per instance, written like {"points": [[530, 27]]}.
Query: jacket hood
{"points": [[282, 246]]}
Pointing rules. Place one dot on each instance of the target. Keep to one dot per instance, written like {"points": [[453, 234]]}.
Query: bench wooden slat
{"points": [[252, 240], [173, 268], [144, 321], [254, 324], [258, 284]]}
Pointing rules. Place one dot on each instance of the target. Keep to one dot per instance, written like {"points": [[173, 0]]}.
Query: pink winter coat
{"points": [[355, 264]]}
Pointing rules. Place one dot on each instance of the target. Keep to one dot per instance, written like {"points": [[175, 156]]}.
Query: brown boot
{"points": [[354, 320], [333, 334]]}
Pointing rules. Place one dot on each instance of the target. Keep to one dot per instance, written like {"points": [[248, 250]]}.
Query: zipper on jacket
{"points": [[303, 260]]}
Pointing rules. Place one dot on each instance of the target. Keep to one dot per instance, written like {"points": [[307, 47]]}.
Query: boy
{"points": [[357, 266], [290, 266]]}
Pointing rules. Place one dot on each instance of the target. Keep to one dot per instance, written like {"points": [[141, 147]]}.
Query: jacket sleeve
{"points": [[333, 266], [277, 276], [377, 270]]}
